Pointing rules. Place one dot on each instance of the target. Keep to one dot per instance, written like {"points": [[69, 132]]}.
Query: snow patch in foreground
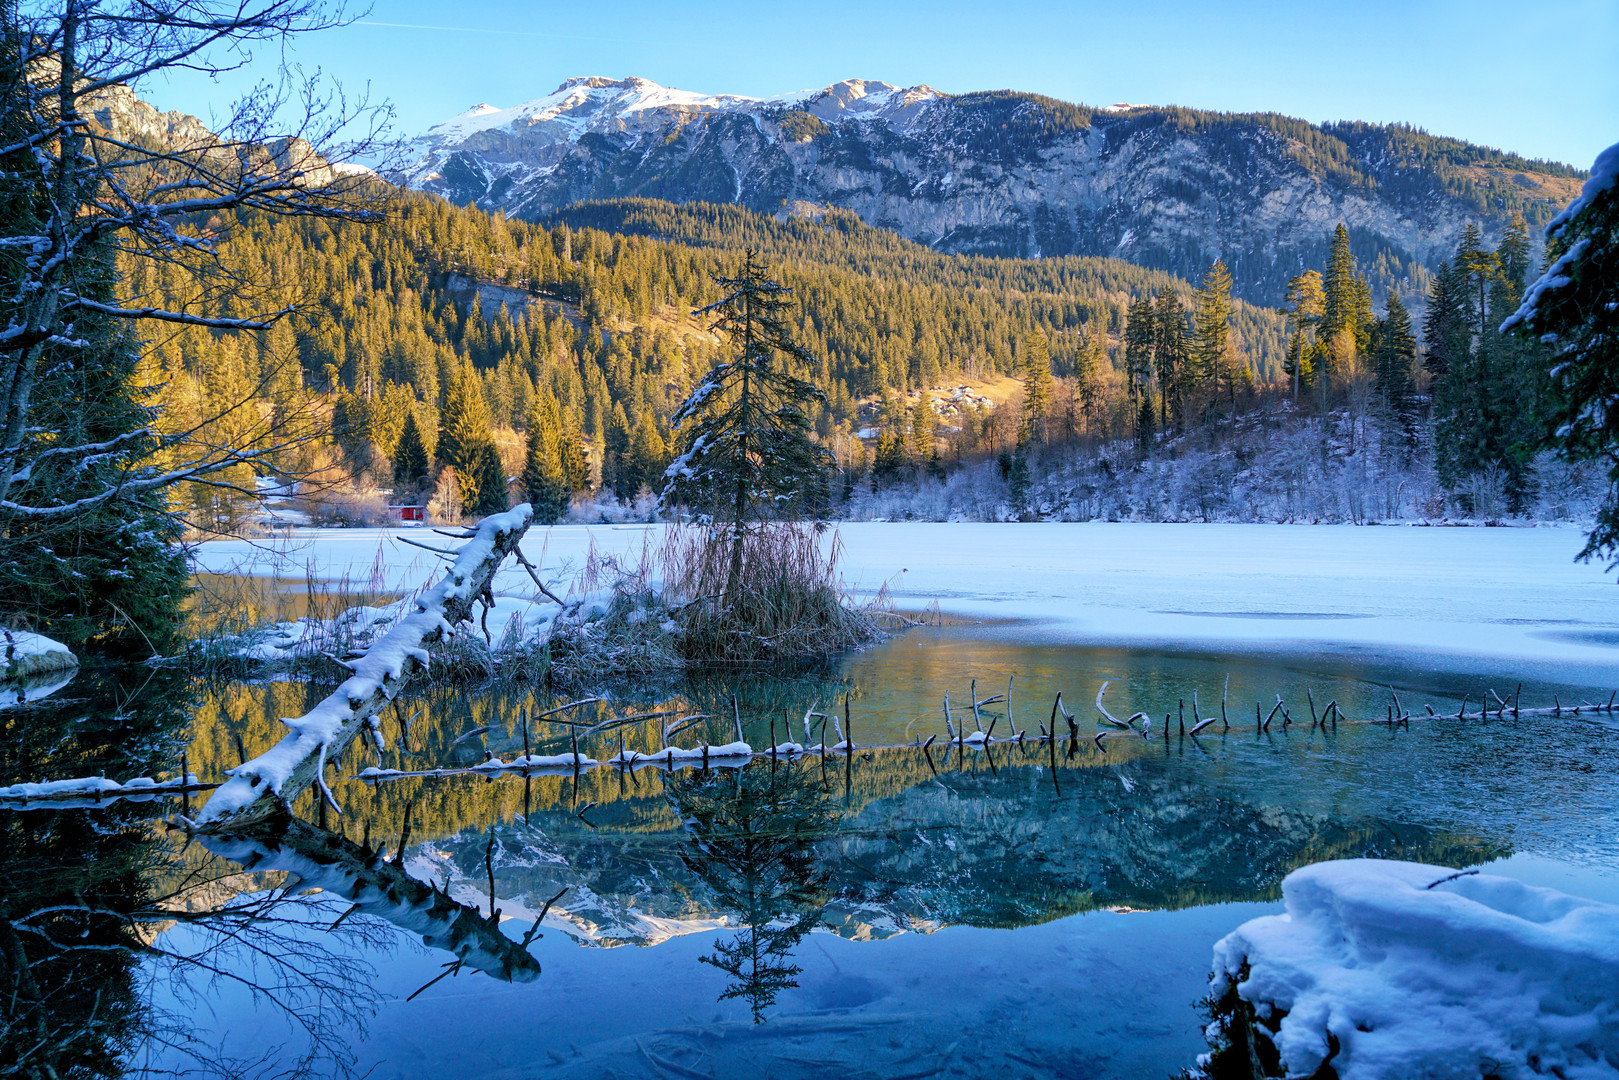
{"points": [[26, 653], [1414, 971]]}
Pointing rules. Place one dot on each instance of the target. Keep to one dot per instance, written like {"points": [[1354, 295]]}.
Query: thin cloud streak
{"points": [[500, 32]]}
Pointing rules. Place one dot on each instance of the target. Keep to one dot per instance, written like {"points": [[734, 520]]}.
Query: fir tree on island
{"points": [[748, 450]]}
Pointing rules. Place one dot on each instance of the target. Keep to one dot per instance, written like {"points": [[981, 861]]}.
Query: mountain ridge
{"points": [[1005, 173]]}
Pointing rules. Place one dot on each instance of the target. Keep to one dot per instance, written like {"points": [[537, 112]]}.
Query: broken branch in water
{"points": [[1109, 717]]}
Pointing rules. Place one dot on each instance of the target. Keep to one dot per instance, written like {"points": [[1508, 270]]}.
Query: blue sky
{"points": [[1541, 78]]}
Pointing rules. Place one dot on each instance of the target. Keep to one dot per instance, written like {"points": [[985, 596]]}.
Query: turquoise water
{"points": [[1029, 910]]}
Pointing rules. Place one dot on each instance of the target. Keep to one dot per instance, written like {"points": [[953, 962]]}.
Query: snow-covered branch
{"points": [[320, 736]]}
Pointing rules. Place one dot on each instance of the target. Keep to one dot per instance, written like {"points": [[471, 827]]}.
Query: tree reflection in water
{"points": [[753, 837], [121, 942]]}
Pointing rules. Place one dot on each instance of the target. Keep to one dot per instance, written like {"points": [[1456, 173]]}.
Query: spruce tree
{"points": [[747, 444], [1037, 388], [889, 460], [571, 451], [1488, 399], [1574, 309], [543, 479], [647, 456], [410, 455], [1140, 340], [924, 433], [465, 425], [490, 478], [1088, 371], [1212, 358], [1170, 358], [1445, 334], [1346, 319], [615, 446], [1306, 304], [1396, 358]]}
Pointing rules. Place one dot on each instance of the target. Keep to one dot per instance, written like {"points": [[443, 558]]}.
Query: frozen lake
{"points": [[1030, 910], [1509, 599]]}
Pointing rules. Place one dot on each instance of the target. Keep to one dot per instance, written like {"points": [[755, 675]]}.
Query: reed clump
{"points": [[714, 598], [784, 601]]}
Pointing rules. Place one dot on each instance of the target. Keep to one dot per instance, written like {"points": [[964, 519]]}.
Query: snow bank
{"points": [[28, 654], [1414, 971]]}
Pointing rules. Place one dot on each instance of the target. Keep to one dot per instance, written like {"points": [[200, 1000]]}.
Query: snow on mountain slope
{"points": [[1000, 172], [505, 149]]}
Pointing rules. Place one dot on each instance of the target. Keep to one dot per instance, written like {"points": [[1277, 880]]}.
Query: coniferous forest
{"points": [[452, 350]]}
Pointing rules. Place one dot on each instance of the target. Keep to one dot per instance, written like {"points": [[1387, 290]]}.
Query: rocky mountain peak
{"points": [[1005, 173]]}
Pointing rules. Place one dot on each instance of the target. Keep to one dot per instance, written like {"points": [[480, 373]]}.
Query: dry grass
{"points": [[671, 609], [788, 603]]}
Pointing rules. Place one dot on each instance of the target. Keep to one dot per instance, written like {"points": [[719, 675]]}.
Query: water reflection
{"points": [[752, 841], [115, 933]]}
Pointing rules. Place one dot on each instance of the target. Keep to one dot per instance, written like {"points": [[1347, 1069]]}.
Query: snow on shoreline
{"points": [[1390, 970], [1511, 598], [25, 653]]}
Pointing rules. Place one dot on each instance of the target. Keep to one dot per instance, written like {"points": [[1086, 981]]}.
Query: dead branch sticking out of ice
{"points": [[293, 765]]}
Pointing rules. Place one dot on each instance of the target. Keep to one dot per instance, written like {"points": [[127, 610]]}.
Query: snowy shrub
{"points": [[1271, 465]]}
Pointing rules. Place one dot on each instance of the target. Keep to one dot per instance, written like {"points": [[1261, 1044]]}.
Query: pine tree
{"points": [[1170, 358], [1346, 319], [1488, 399], [490, 477], [410, 455], [1140, 340], [465, 426], [1088, 372], [1478, 267], [1445, 334], [1306, 304], [646, 458], [1574, 308], [889, 460], [1037, 388], [1396, 366], [924, 433], [1512, 255], [615, 447], [543, 479], [1212, 357], [748, 443], [571, 450]]}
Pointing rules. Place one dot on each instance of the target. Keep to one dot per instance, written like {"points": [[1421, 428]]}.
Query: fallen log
{"points": [[278, 776]]}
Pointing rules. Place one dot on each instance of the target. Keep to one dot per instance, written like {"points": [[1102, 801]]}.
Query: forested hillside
{"points": [[582, 326]]}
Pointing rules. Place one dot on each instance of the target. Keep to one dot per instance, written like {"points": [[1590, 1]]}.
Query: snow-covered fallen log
{"points": [[298, 761], [94, 790], [1390, 970], [341, 867]]}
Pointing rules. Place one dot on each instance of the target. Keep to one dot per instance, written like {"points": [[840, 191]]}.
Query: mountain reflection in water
{"points": [[125, 948]]}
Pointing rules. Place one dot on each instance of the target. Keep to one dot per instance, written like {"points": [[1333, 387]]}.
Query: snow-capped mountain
{"points": [[1000, 172]]}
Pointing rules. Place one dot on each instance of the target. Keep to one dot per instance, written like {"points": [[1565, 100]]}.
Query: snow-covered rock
{"points": [[27, 653], [1395, 970]]}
